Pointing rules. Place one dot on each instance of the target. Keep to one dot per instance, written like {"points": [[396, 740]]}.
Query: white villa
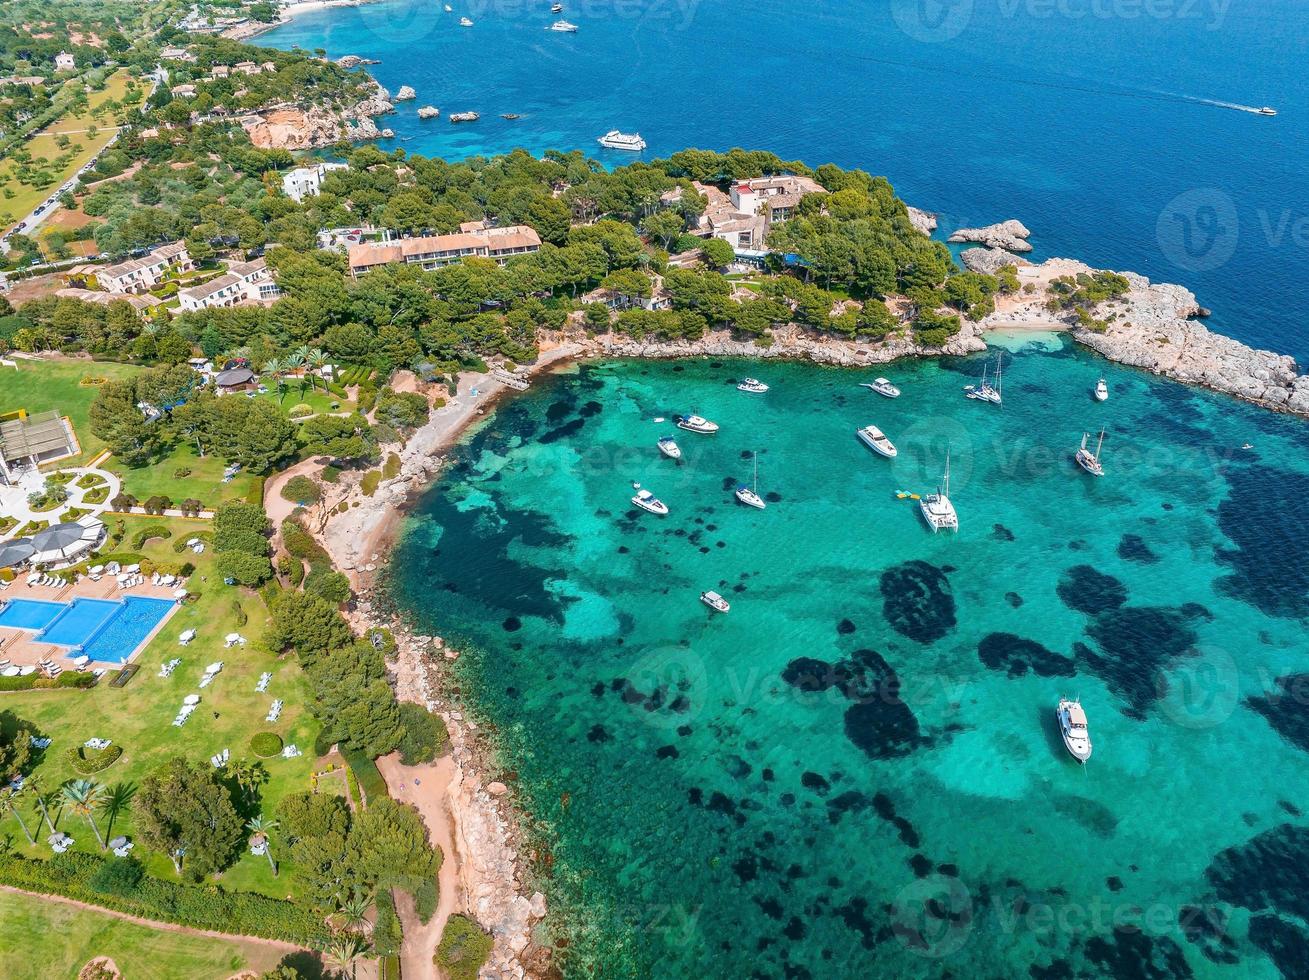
{"points": [[242, 283], [65, 62], [139, 275], [743, 215], [304, 182]]}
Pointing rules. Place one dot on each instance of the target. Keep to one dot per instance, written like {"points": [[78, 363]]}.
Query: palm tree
{"points": [[344, 948], [33, 784], [84, 797], [296, 359], [314, 360], [9, 804], [276, 367], [261, 832], [249, 776], [115, 801], [353, 910]]}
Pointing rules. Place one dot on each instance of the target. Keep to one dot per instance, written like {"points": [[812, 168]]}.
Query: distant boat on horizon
{"points": [[465, 22], [563, 27]]}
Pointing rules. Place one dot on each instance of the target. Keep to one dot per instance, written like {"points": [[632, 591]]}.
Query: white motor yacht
{"points": [[696, 423], [1101, 391], [669, 447], [563, 27], [465, 22], [616, 140], [714, 601], [753, 385], [936, 507], [875, 439], [1073, 728], [1090, 461], [648, 501], [882, 386]]}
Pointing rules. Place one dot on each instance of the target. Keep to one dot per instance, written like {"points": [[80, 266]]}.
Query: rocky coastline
{"points": [[293, 127]]}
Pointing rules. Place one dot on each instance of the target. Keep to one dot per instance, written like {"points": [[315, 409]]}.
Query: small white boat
{"points": [[875, 439], [936, 507], [695, 423], [1072, 726], [563, 27], [448, 8], [616, 140], [669, 447], [556, 8], [750, 495], [1266, 111], [465, 22], [1090, 461], [752, 384], [714, 601], [1101, 391], [648, 501], [882, 386]]}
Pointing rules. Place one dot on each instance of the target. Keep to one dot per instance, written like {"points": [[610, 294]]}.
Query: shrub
{"points": [[245, 569], [266, 744], [181, 473], [370, 780], [150, 531], [386, 928], [118, 876], [255, 495], [330, 585], [199, 906], [123, 502], [238, 613], [425, 736], [391, 468], [330, 474], [464, 948], [292, 569], [87, 761], [368, 485], [158, 503], [426, 897], [302, 490]]}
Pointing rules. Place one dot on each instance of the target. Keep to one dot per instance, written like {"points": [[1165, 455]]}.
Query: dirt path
{"points": [[425, 788]]}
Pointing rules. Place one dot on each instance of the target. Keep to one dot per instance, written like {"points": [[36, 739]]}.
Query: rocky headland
{"points": [[295, 127]]}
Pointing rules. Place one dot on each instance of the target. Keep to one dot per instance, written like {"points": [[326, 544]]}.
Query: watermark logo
{"points": [[921, 452], [1201, 692], [932, 21], [933, 916], [667, 686], [1198, 229]]}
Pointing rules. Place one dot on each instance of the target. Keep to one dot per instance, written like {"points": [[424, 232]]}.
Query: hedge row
{"points": [[150, 531], [198, 906], [87, 761], [69, 678], [255, 495], [365, 770]]}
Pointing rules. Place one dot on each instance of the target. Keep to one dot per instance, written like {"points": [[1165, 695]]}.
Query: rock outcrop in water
{"points": [[923, 221], [990, 260], [405, 94], [1009, 235]]}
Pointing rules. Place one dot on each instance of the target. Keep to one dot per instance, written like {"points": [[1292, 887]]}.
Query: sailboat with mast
{"points": [[986, 392], [750, 495], [1090, 461], [937, 509]]}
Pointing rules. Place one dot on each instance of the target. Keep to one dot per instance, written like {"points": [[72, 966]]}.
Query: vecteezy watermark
{"points": [[933, 916], [1213, 12], [1198, 229], [667, 686], [932, 21], [1201, 691]]}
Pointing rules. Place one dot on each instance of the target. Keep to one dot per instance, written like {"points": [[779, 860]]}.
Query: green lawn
{"points": [[139, 717], [42, 146], [204, 482], [39, 386], [60, 940], [317, 398]]}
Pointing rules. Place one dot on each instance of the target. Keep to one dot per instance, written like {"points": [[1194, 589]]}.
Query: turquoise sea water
{"points": [[1072, 115], [856, 772]]}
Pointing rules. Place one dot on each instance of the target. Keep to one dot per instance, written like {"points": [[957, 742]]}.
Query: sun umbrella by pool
{"points": [[61, 540], [117, 842], [16, 552]]}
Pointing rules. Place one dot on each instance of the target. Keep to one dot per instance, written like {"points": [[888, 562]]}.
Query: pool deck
{"points": [[19, 647]]}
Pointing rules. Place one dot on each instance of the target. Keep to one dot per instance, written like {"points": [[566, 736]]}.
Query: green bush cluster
{"points": [[425, 736], [365, 770], [370, 482], [426, 896], [199, 906], [87, 761], [150, 531], [464, 948], [266, 744]]}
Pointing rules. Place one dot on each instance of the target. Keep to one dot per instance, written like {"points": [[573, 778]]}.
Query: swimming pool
{"points": [[78, 620], [29, 614], [117, 639], [104, 629]]}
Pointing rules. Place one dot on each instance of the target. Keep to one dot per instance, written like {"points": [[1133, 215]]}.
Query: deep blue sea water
{"points": [[856, 771], [1072, 115]]}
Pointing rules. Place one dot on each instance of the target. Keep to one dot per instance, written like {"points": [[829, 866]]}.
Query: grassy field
{"points": [[39, 386], [42, 146], [204, 481], [61, 939], [138, 717]]}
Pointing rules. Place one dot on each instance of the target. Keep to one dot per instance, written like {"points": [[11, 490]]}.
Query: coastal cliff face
{"points": [[296, 128]]}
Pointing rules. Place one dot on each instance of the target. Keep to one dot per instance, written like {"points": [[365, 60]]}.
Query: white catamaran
{"points": [[750, 495], [986, 392], [936, 507]]}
